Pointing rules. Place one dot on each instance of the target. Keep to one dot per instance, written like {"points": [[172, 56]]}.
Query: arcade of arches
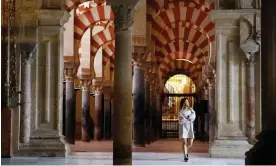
{"points": [[103, 69]]}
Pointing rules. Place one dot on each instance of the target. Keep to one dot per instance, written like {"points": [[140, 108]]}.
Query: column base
{"points": [[229, 148], [122, 161], [6, 132], [51, 146], [263, 152]]}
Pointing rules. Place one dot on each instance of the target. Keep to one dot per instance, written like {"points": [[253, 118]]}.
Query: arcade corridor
{"points": [[76, 74]]}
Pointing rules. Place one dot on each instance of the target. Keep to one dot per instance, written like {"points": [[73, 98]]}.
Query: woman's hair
{"points": [[182, 102]]}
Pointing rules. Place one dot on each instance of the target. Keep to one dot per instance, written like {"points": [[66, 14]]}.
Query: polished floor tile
{"points": [[139, 158]]}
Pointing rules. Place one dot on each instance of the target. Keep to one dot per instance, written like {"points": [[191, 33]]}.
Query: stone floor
{"points": [[163, 145], [162, 152], [139, 158]]}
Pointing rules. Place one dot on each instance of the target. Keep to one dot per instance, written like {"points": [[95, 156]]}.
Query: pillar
{"points": [[263, 152], [25, 112], [152, 108], [158, 114], [250, 61], [97, 88], [85, 106], [107, 113], [139, 104], [211, 107], [70, 106], [230, 140], [122, 115], [147, 107]]}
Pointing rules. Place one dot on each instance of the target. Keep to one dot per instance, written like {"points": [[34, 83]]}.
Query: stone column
{"points": [[85, 105], [107, 112], [139, 102], [230, 140], [122, 115], [153, 108], [263, 152], [211, 107], [70, 107], [250, 61], [25, 113], [158, 113], [147, 107], [97, 88]]}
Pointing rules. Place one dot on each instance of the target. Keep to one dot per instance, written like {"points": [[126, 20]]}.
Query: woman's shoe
{"points": [[186, 158]]}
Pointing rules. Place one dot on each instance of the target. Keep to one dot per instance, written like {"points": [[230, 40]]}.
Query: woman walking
{"points": [[186, 126]]}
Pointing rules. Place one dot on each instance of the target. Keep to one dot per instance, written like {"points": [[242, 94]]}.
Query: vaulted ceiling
{"points": [[181, 30]]}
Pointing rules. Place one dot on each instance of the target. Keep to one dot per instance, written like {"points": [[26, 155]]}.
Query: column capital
{"points": [[139, 56], [250, 58], [27, 47], [97, 86], [85, 84], [69, 73], [250, 49], [97, 89], [86, 74], [211, 82], [123, 16]]}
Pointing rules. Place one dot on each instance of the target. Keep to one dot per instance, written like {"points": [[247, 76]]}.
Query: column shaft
{"points": [[158, 116], [211, 110], [70, 112], [98, 116], [122, 115], [251, 100], [86, 127], [25, 114], [152, 114], [139, 104], [107, 118], [147, 111]]}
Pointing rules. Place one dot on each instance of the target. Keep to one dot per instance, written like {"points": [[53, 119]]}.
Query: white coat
{"points": [[186, 123]]}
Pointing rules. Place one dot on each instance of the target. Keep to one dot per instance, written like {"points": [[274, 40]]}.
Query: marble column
{"points": [[25, 112], [107, 114], [85, 105], [158, 114], [139, 105], [70, 107], [98, 111], [147, 107], [211, 107], [152, 108], [263, 152], [122, 115], [250, 61]]}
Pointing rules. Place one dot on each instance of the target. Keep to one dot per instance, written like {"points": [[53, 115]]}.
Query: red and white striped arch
{"points": [[181, 46], [193, 70], [108, 52], [112, 62], [73, 4], [180, 32], [88, 19], [98, 40], [174, 21], [183, 14], [167, 64], [155, 6]]}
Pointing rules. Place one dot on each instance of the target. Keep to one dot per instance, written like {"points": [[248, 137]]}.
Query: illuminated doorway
{"points": [[177, 87]]}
